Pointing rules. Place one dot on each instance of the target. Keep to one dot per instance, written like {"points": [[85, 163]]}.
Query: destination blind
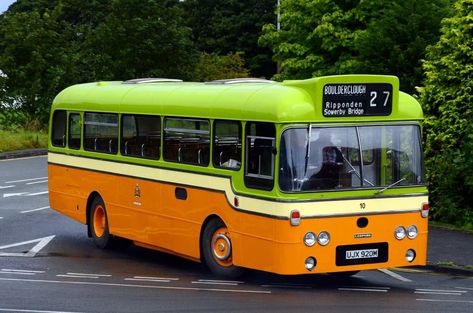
{"points": [[357, 99]]}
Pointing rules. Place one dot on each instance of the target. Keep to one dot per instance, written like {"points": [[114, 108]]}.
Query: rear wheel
{"points": [[217, 250], [98, 223]]}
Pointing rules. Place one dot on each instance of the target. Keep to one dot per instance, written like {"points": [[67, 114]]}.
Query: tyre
{"points": [[98, 224], [217, 250]]}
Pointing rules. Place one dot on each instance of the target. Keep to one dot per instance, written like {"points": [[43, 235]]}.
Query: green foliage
{"points": [[326, 37], [448, 102], [230, 26], [212, 67]]}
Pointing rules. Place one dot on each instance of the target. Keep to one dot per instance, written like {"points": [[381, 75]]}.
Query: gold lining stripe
{"points": [[252, 205]]}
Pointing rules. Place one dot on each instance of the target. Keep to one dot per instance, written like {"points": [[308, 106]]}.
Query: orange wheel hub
{"points": [[221, 247], [99, 221]]}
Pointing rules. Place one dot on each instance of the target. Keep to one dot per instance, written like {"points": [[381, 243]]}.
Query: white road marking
{"points": [[449, 301], [221, 281], [149, 280], [37, 182], [1, 218], [394, 275], [134, 286], [8, 195], [370, 287], [34, 210], [77, 276], [150, 277], [289, 286], [363, 289], [23, 271], [437, 293], [41, 243], [34, 311], [25, 180], [437, 290], [6, 187], [464, 288], [37, 193], [84, 274]]}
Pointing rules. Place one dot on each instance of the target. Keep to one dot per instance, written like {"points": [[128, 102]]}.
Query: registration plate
{"points": [[361, 254]]}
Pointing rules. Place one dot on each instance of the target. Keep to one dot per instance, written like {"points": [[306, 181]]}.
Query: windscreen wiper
{"points": [[353, 169], [392, 185]]}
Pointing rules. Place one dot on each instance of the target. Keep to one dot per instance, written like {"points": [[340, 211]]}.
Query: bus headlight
{"points": [[400, 233], [324, 238], [412, 232], [310, 239]]}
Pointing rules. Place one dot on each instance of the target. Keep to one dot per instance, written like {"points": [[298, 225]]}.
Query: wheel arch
{"points": [[204, 225], [91, 198]]}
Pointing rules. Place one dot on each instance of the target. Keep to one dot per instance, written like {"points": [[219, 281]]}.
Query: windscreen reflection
{"points": [[329, 158]]}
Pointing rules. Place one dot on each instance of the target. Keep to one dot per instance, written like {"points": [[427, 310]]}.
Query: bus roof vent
{"points": [[151, 80], [239, 81]]}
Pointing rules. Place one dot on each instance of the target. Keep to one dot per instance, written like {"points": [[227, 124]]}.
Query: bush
{"points": [[448, 103]]}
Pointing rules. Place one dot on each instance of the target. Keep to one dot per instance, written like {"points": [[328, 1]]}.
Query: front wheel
{"points": [[98, 223], [217, 250]]}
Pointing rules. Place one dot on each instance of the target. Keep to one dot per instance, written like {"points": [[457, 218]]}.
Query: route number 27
{"points": [[374, 96]]}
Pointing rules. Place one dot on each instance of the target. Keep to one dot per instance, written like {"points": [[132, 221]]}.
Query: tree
{"points": [[326, 37], [140, 39], [34, 55], [212, 67], [231, 26], [448, 102]]}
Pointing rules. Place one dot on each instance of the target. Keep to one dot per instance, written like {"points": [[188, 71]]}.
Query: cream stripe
{"points": [[261, 206]]}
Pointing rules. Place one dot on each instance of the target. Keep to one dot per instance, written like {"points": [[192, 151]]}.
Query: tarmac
{"points": [[449, 251]]}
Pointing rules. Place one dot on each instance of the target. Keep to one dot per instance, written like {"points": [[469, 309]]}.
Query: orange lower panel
{"points": [[149, 212]]}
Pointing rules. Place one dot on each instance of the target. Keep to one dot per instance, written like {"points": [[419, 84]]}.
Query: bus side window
{"points": [[260, 155], [58, 137], [187, 141], [101, 132], [74, 131], [141, 136], [227, 144]]}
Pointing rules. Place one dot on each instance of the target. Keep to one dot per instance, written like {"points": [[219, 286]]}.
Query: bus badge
{"points": [[137, 191], [359, 236]]}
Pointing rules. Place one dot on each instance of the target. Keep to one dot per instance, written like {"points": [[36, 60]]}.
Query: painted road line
{"points": [[37, 193], [217, 282], [394, 275], [289, 286], [83, 275], [8, 195], [466, 288], [25, 180], [369, 287], [21, 271], [363, 289], [41, 243], [150, 277], [437, 290], [34, 210], [6, 187], [438, 293], [149, 280], [1, 218], [448, 301], [77, 276], [34, 311], [64, 282], [37, 182]]}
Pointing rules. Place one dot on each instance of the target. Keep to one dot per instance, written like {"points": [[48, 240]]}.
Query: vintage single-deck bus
{"points": [[322, 175]]}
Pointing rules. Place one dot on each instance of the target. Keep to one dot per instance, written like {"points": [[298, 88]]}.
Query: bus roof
{"points": [[298, 101]]}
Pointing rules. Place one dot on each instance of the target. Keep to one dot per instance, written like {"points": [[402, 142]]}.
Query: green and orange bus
{"points": [[322, 175]]}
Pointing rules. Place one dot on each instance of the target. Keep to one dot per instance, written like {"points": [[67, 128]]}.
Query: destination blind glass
{"points": [[357, 100]]}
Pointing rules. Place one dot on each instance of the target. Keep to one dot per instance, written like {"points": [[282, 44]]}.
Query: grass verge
{"points": [[21, 139]]}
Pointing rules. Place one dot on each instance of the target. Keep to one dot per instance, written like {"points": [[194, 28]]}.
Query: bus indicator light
{"points": [[295, 217], [425, 210]]}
